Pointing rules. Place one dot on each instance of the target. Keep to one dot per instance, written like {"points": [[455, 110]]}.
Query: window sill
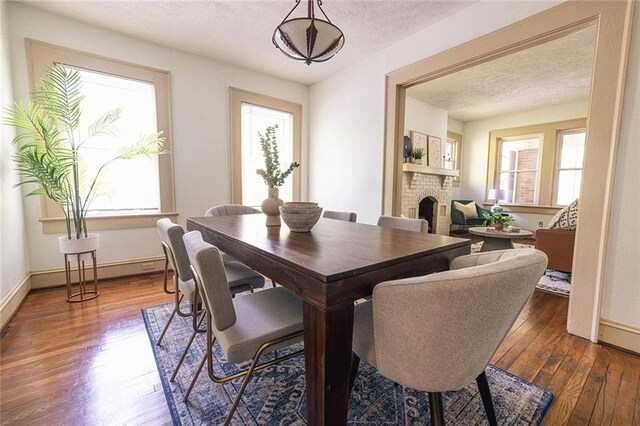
{"points": [[56, 225], [515, 208]]}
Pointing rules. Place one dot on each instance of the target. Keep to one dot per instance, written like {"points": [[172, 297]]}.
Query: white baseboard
{"points": [[13, 300], [56, 277], [619, 334]]}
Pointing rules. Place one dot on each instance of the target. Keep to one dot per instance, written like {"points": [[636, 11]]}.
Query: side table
{"points": [[83, 293]]}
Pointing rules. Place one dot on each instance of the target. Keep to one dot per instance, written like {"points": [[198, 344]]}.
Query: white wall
{"points": [[347, 115], [200, 123], [621, 298], [476, 150], [14, 264], [424, 118]]}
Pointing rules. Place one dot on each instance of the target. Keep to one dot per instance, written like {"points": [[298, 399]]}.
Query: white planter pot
{"points": [[82, 245]]}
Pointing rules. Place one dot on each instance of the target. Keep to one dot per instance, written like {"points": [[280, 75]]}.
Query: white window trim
{"points": [[41, 55]]}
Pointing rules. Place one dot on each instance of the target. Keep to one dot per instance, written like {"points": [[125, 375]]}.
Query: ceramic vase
{"points": [[499, 226], [271, 207]]}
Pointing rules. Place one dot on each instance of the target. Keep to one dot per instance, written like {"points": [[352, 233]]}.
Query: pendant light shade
{"points": [[309, 39]]}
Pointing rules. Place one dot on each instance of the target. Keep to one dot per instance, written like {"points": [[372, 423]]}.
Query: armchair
{"points": [[458, 218]]}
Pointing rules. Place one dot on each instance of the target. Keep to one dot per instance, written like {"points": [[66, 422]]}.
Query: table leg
{"points": [[327, 351], [491, 244]]}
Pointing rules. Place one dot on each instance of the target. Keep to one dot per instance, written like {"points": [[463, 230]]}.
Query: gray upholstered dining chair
{"points": [[245, 327], [438, 332], [240, 277], [345, 216], [230, 210], [408, 224]]}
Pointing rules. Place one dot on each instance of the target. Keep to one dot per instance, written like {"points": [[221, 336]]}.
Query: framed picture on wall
{"points": [[434, 153], [418, 140]]}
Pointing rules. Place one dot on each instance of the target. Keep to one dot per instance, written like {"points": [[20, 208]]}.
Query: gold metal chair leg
{"points": [[166, 327], [186, 349], [195, 377], [236, 401]]}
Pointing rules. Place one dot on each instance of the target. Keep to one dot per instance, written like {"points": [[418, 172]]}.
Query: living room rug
{"points": [[276, 395], [552, 281]]}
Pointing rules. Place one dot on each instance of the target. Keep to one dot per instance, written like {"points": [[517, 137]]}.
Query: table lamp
{"points": [[495, 195]]}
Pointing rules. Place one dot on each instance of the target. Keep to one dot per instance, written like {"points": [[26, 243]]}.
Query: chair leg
{"points": [[195, 377], [196, 330], [236, 401], [485, 393], [355, 364], [437, 412], [166, 327]]}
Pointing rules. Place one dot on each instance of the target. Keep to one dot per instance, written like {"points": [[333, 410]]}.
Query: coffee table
{"points": [[498, 240]]}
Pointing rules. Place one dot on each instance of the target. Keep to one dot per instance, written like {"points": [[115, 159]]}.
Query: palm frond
{"points": [[151, 144], [60, 95], [39, 168], [104, 125]]}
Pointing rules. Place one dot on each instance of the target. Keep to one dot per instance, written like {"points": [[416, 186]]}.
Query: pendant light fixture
{"points": [[309, 39]]}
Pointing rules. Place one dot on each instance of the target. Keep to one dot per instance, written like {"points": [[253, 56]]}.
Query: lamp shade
{"points": [[308, 39], [495, 194]]}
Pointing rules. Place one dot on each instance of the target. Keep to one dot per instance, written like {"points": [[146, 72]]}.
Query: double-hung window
{"points": [[518, 169], [569, 165], [133, 193]]}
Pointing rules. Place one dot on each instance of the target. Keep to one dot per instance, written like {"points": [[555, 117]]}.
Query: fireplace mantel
{"points": [[419, 168]]}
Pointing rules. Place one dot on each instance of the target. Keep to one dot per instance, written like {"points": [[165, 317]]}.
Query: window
{"points": [[256, 119], [569, 170], [129, 186], [538, 167], [252, 113], [518, 169], [452, 154], [136, 192]]}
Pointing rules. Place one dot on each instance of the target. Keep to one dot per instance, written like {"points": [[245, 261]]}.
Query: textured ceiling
{"points": [[239, 31], [553, 73]]}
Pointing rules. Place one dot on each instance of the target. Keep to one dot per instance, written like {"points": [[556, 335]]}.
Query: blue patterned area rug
{"points": [[276, 395]]}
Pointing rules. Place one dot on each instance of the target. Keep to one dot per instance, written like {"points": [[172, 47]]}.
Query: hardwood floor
{"points": [[91, 363]]}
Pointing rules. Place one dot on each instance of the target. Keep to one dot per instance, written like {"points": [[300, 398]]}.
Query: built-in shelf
{"points": [[419, 168]]}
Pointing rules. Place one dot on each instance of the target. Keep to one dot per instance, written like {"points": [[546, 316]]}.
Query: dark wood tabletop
{"points": [[330, 267]]}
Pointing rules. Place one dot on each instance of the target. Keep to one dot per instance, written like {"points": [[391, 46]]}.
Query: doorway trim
{"points": [[613, 21]]}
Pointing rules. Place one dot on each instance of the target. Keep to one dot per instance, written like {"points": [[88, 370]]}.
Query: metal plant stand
{"points": [[83, 293]]}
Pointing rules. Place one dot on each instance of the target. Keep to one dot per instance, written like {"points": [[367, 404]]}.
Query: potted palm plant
{"points": [[50, 147], [272, 175]]}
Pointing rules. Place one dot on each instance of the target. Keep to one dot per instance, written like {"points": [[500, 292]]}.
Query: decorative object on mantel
{"points": [[406, 149], [418, 140], [49, 155], [308, 39], [497, 219], [272, 175], [434, 153], [300, 216], [417, 154], [495, 195]]}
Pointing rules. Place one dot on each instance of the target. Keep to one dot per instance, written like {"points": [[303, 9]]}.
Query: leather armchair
{"points": [[558, 245]]}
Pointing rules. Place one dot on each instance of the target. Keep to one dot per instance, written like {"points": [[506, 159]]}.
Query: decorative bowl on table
{"points": [[300, 216]]}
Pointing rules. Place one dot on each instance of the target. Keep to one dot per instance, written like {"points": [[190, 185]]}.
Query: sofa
{"points": [[458, 218]]}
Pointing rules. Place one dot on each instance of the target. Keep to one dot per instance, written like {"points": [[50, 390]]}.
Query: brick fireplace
{"points": [[427, 195]]}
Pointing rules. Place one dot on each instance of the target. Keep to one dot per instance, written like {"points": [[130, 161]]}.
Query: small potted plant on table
{"points": [[497, 219]]}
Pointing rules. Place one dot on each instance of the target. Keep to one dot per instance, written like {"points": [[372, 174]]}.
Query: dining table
{"points": [[329, 268]]}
